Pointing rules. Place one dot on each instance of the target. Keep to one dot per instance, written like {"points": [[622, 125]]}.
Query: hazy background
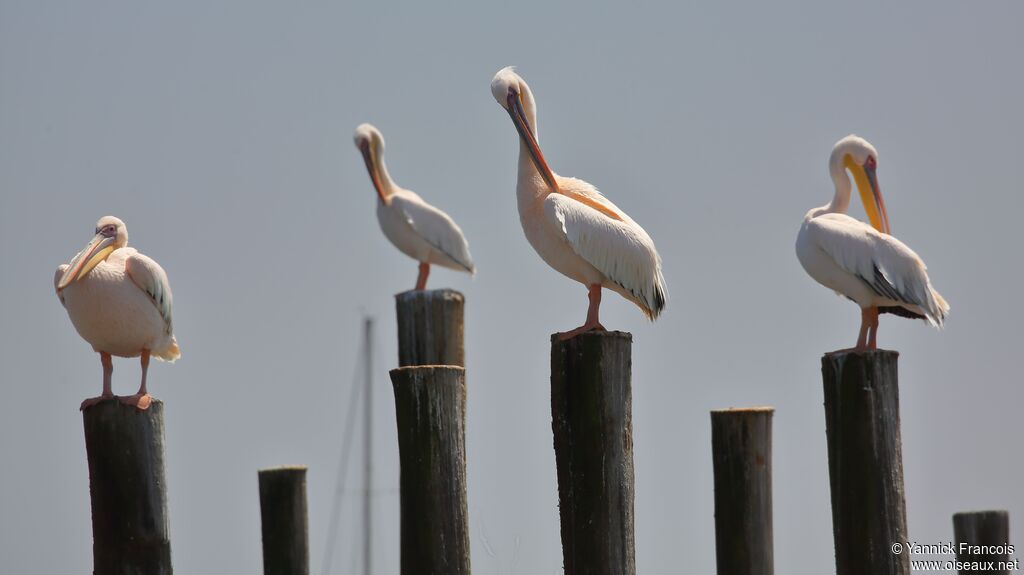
{"points": [[221, 133]]}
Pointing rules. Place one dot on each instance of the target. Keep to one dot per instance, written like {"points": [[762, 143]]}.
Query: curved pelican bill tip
{"points": [[876, 192], [91, 255], [870, 194]]}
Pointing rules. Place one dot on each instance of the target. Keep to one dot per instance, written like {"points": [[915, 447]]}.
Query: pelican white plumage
{"points": [[416, 228], [574, 228], [120, 302], [860, 261]]}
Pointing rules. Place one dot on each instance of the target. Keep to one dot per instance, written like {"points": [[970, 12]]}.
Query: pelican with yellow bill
{"points": [[120, 303], [862, 262]]}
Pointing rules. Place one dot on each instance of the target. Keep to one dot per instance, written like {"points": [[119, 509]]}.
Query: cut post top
{"points": [[591, 335], [742, 410], [430, 294], [114, 405], [984, 513], [284, 469], [865, 353], [422, 368]]}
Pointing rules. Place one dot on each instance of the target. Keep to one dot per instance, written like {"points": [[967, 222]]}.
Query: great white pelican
{"points": [[574, 228], [416, 228], [865, 262], [120, 303]]}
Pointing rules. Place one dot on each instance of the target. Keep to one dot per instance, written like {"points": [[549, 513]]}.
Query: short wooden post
{"points": [[989, 530], [741, 446], [592, 421], [430, 328], [284, 520], [130, 526], [865, 461], [430, 405]]}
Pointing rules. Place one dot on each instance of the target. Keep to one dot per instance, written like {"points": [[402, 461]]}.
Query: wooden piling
{"points": [[592, 422], [865, 461], [988, 529], [130, 526], [430, 405], [741, 445], [430, 327], [284, 520]]}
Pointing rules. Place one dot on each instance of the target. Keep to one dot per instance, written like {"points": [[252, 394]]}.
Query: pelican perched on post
{"points": [[416, 228], [860, 261], [574, 228], [120, 302]]}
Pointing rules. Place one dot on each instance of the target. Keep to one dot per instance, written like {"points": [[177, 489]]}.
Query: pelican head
{"points": [[857, 155], [370, 142], [512, 93], [111, 234]]}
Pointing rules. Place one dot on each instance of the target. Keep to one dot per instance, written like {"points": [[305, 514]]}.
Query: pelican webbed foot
{"points": [[94, 400], [139, 401], [587, 327]]}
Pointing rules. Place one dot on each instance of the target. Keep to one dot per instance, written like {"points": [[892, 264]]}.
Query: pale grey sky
{"points": [[221, 133]]}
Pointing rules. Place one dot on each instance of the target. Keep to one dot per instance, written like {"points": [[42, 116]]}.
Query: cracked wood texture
{"points": [[430, 327], [741, 447], [130, 525], [592, 422], [865, 461], [983, 528], [284, 520], [430, 409]]}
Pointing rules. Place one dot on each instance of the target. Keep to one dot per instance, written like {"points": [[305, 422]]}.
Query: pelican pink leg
{"points": [[868, 329], [593, 311], [421, 279], [108, 393], [141, 399]]}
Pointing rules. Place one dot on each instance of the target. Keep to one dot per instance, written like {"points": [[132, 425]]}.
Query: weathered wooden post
{"points": [[284, 520], [430, 405], [430, 327], [592, 421], [130, 526], [430, 409], [865, 461], [987, 537], [741, 445]]}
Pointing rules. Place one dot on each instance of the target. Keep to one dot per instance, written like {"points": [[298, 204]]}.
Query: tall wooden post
{"points": [[865, 461], [591, 417], [430, 405], [284, 521], [130, 526], [741, 446], [430, 327], [988, 529]]}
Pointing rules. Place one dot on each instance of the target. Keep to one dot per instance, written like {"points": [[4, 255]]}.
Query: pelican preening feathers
{"points": [[860, 261], [574, 228], [120, 302], [416, 228]]}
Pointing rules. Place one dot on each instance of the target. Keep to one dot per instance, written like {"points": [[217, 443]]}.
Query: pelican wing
{"points": [[151, 278], [619, 248], [56, 281], [436, 228], [888, 266]]}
